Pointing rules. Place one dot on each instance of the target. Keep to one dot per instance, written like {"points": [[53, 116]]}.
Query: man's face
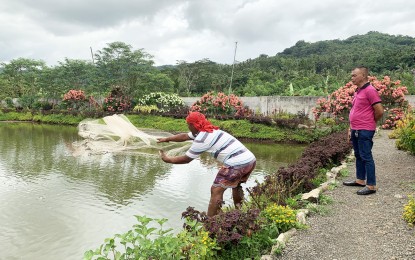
{"points": [[192, 128], [358, 77]]}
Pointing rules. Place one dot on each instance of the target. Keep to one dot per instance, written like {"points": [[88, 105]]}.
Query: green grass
{"points": [[238, 128]]}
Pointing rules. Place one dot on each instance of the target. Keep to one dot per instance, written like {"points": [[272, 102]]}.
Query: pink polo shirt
{"points": [[362, 114]]}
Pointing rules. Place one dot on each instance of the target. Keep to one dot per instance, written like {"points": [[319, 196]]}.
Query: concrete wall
{"points": [[268, 104], [411, 100]]}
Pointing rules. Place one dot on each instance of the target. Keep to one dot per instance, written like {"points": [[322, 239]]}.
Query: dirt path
{"points": [[364, 227]]}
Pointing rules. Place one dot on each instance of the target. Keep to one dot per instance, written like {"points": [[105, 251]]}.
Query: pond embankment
{"points": [[364, 227]]}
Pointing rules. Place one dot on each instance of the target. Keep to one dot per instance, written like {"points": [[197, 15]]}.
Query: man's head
{"points": [[360, 76], [197, 122]]}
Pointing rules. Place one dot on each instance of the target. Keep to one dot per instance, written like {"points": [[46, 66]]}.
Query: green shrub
{"points": [[409, 211], [146, 109], [9, 102], [44, 105], [405, 132], [145, 241]]}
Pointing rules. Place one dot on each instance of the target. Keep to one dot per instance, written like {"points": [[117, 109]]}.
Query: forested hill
{"points": [[321, 67], [376, 50]]}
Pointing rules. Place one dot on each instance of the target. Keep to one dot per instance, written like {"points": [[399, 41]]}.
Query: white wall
{"points": [[268, 104]]}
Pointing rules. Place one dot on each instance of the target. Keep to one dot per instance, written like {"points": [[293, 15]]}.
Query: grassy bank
{"points": [[242, 129]]}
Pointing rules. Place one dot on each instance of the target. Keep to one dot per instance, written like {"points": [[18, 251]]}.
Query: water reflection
{"points": [[57, 206]]}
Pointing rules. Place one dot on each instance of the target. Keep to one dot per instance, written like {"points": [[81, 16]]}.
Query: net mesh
{"points": [[116, 134]]}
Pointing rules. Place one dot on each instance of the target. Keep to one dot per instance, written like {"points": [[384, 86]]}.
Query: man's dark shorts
{"points": [[232, 176]]}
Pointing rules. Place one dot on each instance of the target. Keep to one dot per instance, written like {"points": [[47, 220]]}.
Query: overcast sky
{"points": [[172, 30]]}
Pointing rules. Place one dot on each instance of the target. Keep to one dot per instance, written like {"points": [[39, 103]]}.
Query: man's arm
{"points": [[175, 138], [378, 108], [175, 160]]}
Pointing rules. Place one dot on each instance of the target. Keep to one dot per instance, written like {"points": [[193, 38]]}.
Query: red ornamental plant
{"points": [[116, 104], [74, 99], [339, 103], [219, 104], [74, 95]]}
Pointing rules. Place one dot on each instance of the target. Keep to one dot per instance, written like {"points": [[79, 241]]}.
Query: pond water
{"points": [[57, 206]]}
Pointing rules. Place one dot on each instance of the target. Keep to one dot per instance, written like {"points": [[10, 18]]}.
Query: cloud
{"points": [[173, 30]]}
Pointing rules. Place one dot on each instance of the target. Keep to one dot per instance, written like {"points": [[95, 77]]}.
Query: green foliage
{"points": [[409, 211], [293, 202], [252, 246], [50, 118], [327, 121], [145, 241], [159, 123], [58, 119], [145, 109], [344, 172], [325, 200], [405, 133], [320, 178], [243, 128], [318, 209], [42, 105], [198, 243], [9, 102], [16, 116]]}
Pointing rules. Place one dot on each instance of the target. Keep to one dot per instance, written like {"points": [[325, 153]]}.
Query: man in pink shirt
{"points": [[366, 111]]}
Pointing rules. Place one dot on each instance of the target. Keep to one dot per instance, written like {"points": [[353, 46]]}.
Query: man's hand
{"points": [[163, 156], [349, 135], [175, 160], [162, 140]]}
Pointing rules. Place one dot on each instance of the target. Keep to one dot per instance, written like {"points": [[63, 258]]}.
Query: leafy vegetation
{"points": [[405, 132]]}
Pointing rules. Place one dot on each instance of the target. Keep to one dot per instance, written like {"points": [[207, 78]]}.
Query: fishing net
{"points": [[116, 134]]}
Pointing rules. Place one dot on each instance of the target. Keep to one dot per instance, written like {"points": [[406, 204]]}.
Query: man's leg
{"points": [[365, 149], [216, 200], [238, 196], [360, 167]]}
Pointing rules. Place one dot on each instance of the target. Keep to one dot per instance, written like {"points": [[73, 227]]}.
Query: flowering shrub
{"points": [[281, 217], [74, 99], [74, 94], [339, 103], [409, 211], [219, 104], [116, 104], [393, 116], [164, 102]]}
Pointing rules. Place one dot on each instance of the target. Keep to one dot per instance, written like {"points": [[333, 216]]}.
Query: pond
{"points": [[57, 206]]}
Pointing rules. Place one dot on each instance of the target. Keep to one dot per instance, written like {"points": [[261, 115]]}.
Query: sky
{"points": [[180, 30]]}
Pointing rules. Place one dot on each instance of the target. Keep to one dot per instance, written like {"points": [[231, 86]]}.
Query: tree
{"points": [[119, 65]]}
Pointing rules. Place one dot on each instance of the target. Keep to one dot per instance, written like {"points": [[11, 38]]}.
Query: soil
{"points": [[363, 227]]}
